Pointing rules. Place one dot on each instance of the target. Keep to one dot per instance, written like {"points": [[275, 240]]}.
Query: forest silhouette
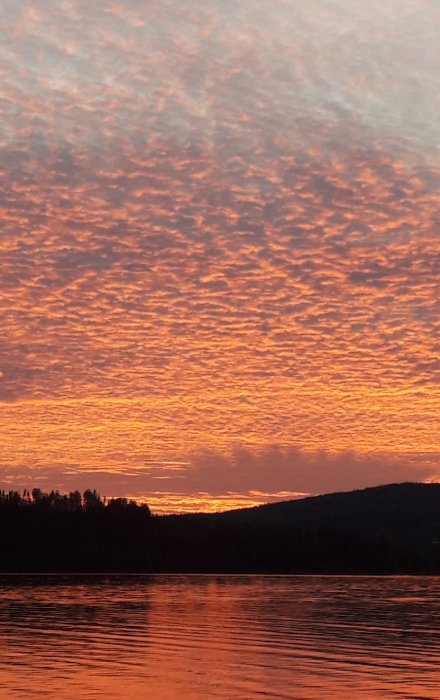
{"points": [[390, 529]]}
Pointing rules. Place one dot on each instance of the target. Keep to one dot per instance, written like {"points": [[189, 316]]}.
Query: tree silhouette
{"points": [[67, 533]]}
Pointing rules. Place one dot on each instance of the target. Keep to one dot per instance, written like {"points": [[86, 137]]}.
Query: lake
{"points": [[228, 637]]}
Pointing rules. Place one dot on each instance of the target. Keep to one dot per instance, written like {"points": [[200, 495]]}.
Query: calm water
{"points": [[165, 637]]}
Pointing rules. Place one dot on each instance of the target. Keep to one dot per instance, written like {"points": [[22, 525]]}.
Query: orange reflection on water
{"points": [[219, 637]]}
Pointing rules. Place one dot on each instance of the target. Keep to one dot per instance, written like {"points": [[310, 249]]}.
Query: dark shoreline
{"points": [[383, 531], [201, 574]]}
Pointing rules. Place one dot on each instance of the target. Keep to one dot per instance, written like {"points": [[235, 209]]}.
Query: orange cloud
{"points": [[209, 240]]}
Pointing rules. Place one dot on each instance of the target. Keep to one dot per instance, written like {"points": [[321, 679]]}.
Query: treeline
{"points": [[73, 502], [56, 532], [51, 532]]}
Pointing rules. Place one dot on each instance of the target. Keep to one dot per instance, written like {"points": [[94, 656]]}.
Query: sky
{"points": [[219, 247]]}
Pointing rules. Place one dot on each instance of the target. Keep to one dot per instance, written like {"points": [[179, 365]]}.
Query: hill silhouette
{"points": [[386, 529], [409, 511]]}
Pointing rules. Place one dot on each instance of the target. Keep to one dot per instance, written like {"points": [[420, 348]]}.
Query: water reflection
{"points": [[219, 637]]}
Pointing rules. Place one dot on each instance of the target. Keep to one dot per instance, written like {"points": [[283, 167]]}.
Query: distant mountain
{"points": [[409, 511], [386, 529]]}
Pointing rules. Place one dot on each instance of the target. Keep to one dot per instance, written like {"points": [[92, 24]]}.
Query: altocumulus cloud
{"points": [[220, 227]]}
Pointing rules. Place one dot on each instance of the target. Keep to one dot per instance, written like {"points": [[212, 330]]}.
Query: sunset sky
{"points": [[219, 247]]}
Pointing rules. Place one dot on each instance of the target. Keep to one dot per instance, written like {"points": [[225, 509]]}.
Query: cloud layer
{"points": [[220, 231]]}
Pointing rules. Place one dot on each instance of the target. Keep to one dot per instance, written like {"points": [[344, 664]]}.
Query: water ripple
{"points": [[219, 637]]}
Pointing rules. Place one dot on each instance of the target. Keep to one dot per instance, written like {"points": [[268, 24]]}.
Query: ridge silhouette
{"points": [[386, 529]]}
